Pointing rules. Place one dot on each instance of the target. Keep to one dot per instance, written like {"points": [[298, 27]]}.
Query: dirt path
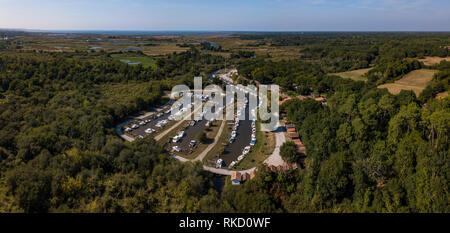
{"points": [[275, 158]]}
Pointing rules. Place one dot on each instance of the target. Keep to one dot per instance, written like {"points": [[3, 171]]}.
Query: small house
{"points": [[298, 143], [291, 130], [245, 177], [321, 100], [236, 178], [290, 126], [302, 150]]}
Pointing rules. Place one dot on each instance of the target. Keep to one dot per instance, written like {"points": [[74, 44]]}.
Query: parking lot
{"points": [[190, 133], [242, 140], [184, 145], [151, 124], [148, 125]]}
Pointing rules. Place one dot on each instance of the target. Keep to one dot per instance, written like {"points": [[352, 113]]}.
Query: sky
{"points": [[227, 15]]}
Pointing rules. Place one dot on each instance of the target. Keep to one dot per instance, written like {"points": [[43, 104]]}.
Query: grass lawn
{"points": [[416, 81], [357, 75], [264, 147], [144, 61]]}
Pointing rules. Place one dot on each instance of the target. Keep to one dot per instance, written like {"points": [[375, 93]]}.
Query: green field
{"points": [[144, 61]]}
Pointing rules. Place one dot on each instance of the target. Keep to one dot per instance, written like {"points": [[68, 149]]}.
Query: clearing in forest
{"points": [[415, 81], [135, 60], [357, 75], [442, 95], [429, 61]]}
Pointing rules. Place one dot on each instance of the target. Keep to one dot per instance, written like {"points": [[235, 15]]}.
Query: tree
{"points": [[201, 137], [288, 152]]}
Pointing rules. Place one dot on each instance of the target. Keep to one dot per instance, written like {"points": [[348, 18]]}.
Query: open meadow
{"points": [[429, 61], [356, 75], [415, 81]]}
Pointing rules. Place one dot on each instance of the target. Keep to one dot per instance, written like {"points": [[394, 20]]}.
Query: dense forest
{"points": [[368, 150], [58, 148]]}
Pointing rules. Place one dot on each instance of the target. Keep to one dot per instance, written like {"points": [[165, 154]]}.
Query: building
{"points": [[291, 130], [302, 150], [236, 178], [294, 135], [245, 177], [290, 126], [321, 100], [298, 143]]}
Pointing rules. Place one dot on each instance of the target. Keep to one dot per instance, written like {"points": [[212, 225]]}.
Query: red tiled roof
{"points": [[292, 130], [236, 176], [320, 99], [302, 150], [245, 177], [298, 142], [290, 126]]}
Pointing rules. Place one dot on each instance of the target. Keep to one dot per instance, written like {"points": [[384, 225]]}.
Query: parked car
{"points": [[193, 143], [176, 139], [219, 163], [128, 130], [135, 126], [176, 148], [192, 124]]}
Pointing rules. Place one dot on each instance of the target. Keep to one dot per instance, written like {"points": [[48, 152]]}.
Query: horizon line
{"points": [[109, 31]]}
